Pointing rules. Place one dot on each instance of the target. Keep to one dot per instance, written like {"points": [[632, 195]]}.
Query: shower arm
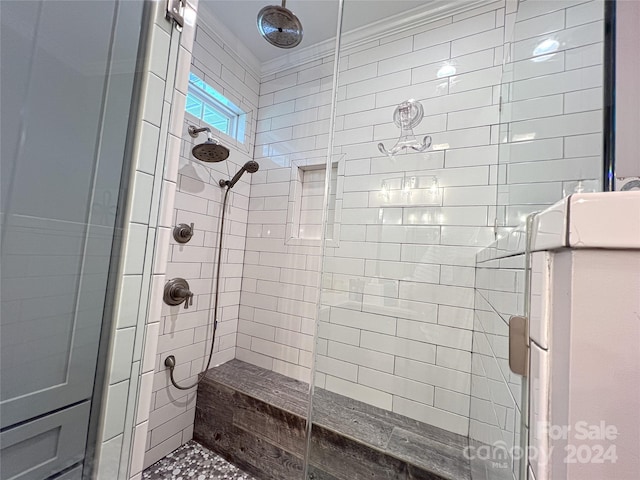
{"points": [[194, 132]]}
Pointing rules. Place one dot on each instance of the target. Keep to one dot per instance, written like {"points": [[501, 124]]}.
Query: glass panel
{"points": [[63, 148], [404, 366], [415, 197], [496, 392], [550, 145]]}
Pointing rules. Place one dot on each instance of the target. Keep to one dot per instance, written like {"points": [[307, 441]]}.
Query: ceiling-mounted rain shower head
{"points": [[211, 150], [279, 26]]}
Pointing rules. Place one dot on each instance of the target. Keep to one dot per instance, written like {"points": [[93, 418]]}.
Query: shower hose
{"points": [[170, 360]]}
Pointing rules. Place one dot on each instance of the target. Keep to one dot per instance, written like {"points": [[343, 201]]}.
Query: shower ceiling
{"points": [[318, 17]]}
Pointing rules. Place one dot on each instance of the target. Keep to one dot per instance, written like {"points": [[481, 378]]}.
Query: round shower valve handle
{"points": [[176, 291], [182, 233]]}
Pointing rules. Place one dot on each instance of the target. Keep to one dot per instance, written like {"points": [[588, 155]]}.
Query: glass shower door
{"points": [[68, 73], [415, 139]]}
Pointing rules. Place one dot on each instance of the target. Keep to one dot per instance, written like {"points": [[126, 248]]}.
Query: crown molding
{"points": [[432, 12]]}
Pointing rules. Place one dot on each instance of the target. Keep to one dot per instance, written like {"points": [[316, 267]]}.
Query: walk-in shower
{"points": [[335, 296]]}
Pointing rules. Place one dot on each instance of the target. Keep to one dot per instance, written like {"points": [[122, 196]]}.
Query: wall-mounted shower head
{"points": [[251, 167], [279, 26], [211, 150]]}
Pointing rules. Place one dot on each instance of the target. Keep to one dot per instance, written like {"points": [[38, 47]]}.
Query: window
{"points": [[215, 109]]}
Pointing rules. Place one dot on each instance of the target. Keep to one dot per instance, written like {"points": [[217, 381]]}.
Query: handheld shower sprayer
{"points": [[251, 166]]}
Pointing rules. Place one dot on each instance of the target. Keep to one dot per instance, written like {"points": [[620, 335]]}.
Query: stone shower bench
{"points": [[256, 419]]}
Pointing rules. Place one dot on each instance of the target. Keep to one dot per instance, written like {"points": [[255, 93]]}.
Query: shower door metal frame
{"points": [[609, 100]]}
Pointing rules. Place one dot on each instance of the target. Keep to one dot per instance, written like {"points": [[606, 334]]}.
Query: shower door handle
{"points": [[518, 345], [176, 291]]}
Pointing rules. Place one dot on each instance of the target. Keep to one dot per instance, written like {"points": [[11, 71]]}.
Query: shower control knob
{"points": [[182, 233], [176, 291]]}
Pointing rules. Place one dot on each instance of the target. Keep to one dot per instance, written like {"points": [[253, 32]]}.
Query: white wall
{"points": [[186, 334], [551, 139], [398, 283]]}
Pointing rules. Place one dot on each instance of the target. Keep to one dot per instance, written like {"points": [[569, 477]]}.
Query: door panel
{"points": [[38, 449], [66, 97], [49, 166]]}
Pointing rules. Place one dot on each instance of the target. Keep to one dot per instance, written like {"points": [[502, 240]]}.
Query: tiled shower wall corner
{"points": [[552, 106], [186, 334], [281, 274], [130, 371]]}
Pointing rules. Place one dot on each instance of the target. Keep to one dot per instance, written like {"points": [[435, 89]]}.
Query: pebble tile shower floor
{"points": [[192, 461]]}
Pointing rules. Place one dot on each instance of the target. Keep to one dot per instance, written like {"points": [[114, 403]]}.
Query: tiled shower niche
{"points": [[306, 196]]}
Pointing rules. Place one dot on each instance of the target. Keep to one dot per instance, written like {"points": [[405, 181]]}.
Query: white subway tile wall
{"points": [[282, 256], [192, 195], [552, 106], [409, 226], [401, 278], [155, 260], [397, 293], [311, 203]]}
